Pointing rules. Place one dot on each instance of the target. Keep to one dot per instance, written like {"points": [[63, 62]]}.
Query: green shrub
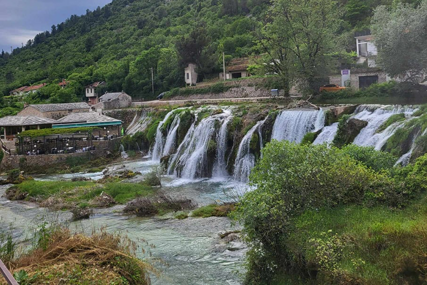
{"points": [[291, 179], [376, 160], [309, 138]]}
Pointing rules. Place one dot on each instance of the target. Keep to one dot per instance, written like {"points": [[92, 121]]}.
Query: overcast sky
{"points": [[21, 20]]}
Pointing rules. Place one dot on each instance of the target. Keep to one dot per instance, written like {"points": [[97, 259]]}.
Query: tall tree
{"points": [[401, 38], [302, 36]]}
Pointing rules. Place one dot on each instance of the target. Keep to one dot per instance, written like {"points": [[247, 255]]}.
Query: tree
{"points": [[301, 36], [401, 38]]}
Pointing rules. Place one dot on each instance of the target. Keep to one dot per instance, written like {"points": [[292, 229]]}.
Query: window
{"points": [[188, 76]]}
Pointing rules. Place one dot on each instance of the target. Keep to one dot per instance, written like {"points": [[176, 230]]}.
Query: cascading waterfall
{"points": [[160, 140], [123, 153], [191, 159], [171, 137], [245, 160], [375, 118], [327, 135], [220, 166], [404, 159], [139, 123], [293, 125]]}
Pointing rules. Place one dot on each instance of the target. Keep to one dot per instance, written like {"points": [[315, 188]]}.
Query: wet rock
{"points": [[81, 214], [103, 201], [164, 161], [80, 178], [349, 131], [14, 194]]}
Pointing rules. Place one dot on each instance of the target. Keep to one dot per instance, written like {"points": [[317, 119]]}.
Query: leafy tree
{"points": [[301, 36], [401, 36]]}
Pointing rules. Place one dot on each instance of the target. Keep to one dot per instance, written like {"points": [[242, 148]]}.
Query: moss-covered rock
{"points": [[164, 161], [348, 129], [309, 138], [334, 114], [393, 119]]}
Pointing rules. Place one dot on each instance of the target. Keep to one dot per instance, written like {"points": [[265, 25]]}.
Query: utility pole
{"points": [[152, 80], [223, 65]]}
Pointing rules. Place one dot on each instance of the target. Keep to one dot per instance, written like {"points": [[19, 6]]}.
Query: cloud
{"points": [[15, 37]]}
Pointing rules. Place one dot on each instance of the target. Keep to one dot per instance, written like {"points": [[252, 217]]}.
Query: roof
{"points": [[25, 121], [96, 84], [238, 64], [20, 89], [89, 117], [111, 96], [34, 87], [60, 107], [365, 38], [63, 83]]}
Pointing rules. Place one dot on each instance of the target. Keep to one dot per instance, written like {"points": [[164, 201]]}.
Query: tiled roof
{"points": [[63, 83], [110, 96], [96, 84], [60, 107], [35, 87], [238, 64], [25, 121], [89, 117], [20, 89]]}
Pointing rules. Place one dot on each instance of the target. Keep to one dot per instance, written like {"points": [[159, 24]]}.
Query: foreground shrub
{"points": [[66, 258], [291, 179], [376, 160]]}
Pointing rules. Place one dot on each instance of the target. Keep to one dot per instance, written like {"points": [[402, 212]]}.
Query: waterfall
{"points": [[171, 137], [293, 125], [139, 124], [327, 135], [220, 166], [245, 160], [375, 118], [404, 159], [160, 140], [123, 152]]}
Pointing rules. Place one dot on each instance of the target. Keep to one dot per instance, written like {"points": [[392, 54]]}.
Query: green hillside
{"points": [[120, 42]]}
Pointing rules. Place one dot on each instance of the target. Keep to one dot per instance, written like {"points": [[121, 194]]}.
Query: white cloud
{"points": [[15, 37]]}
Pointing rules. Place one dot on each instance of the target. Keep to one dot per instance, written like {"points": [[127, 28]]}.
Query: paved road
{"points": [[201, 101]]}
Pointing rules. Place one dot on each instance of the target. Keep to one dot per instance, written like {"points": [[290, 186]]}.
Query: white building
{"points": [[190, 74], [366, 50]]}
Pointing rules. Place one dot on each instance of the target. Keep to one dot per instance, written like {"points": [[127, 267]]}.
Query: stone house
{"points": [[359, 78], [237, 68], [13, 125], [366, 50], [54, 111], [191, 74], [117, 100], [27, 89], [91, 92]]}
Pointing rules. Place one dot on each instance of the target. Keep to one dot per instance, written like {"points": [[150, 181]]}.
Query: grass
{"points": [[65, 258], [363, 245], [213, 210], [79, 192]]}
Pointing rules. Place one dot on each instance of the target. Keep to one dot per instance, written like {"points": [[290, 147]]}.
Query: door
{"points": [[366, 81]]}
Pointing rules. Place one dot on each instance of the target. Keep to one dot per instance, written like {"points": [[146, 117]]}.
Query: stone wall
{"points": [[51, 160], [125, 115]]}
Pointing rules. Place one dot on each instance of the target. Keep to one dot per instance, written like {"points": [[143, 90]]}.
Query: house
{"points": [[13, 125], [364, 76], [366, 50], [18, 91], [105, 124], [237, 68], [117, 100], [54, 111], [27, 89], [63, 83], [191, 74], [91, 92]]}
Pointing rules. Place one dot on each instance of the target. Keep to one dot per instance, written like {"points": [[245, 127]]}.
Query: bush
{"points": [[376, 160], [291, 179], [214, 210]]}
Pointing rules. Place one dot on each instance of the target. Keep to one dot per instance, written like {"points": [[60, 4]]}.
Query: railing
{"points": [[7, 275]]}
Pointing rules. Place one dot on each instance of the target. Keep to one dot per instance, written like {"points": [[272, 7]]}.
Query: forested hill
{"points": [[120, 42]]}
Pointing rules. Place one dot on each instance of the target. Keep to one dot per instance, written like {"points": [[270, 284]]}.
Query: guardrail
{"points": [[7, 275]]}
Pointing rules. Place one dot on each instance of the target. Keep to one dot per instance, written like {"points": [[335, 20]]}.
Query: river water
{"points": [[190, 250]]}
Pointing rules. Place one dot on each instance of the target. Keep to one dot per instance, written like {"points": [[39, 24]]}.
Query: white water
{"points": [[404, 159], [171, 137], [123, 153], [139, 124], [245, 160], [375, 118], [220, 166], [160, 140], [293, 125], [327, 135]]}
